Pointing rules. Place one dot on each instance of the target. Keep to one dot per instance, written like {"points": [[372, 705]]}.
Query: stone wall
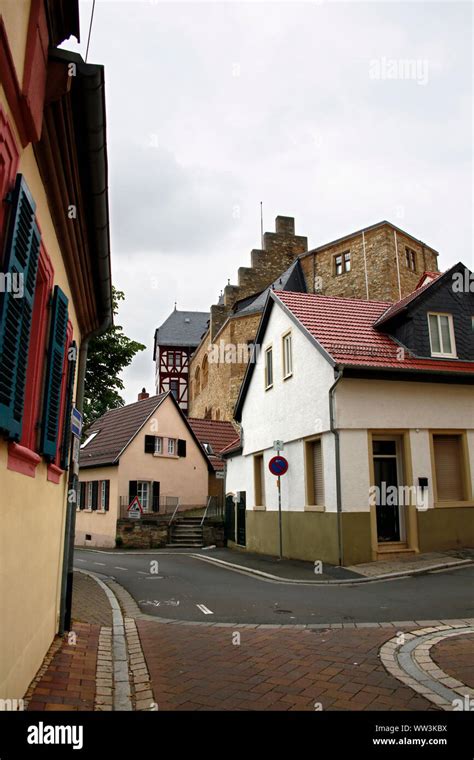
{"points": [[380, 253], [153, 534]]}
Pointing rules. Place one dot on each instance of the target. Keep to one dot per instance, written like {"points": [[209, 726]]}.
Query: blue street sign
{"points": [[76, 422]]}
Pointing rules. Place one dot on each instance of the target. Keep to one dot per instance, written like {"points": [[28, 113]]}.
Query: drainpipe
{"points": [[335, 431]]}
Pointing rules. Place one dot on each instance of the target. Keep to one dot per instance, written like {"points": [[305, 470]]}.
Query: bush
{"points": [[118, 541]]}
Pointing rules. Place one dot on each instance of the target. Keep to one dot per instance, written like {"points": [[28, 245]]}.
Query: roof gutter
{"points": [[332, 418]]}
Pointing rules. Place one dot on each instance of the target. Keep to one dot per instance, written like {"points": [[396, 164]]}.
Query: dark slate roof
{"points": [[115, 429], [218, 433], [292, 279], [182, 328]]}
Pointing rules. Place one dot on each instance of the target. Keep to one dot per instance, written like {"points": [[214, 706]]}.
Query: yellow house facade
{"points": [[54, 295]]}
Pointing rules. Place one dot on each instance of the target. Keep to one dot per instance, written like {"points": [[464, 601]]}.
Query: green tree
{"points": [[107, 356]]}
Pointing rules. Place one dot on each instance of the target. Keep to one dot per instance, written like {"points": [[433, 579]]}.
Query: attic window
{"points": [[89, 439], [441, 335], [207, 448], [410, 256]]}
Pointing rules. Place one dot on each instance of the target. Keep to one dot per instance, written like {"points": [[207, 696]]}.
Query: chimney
{"points": [[143, 395]]}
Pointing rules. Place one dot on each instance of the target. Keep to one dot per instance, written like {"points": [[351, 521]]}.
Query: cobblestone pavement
{"points": [[89, 603], [205, 668]]}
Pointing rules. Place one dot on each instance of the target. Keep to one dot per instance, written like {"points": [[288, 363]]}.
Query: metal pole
{"points": [[279, 514]]}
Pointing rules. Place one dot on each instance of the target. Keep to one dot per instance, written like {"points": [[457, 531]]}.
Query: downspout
{"points": [[335, 431]]}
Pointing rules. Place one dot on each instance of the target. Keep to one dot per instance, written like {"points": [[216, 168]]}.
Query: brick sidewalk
{"points": [[456, 657], [200, 668], [69, 679]]}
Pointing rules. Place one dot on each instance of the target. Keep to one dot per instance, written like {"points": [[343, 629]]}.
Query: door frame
{"points": [[406, 473]]}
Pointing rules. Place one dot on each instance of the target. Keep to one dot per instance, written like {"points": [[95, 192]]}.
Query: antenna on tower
{"points": [[261, 224]]}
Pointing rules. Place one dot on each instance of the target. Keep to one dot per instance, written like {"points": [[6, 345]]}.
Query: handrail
{"points": [[205, 511], [175, 510]]}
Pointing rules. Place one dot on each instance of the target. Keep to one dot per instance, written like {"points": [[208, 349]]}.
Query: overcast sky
{"points": [[339, 114]]}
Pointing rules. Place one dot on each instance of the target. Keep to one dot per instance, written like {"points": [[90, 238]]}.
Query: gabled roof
{"points": [[118, 427], [417, 295], [426, 276], [182, 328], [292, 279], [343, 331], [217, 433], [115, 429]]}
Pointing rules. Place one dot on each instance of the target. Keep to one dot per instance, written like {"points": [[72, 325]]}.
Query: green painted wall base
{"points": [[444, 528], [310, 535]]}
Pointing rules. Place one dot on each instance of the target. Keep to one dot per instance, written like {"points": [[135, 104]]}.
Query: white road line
{"points": [[116, 567], [141, 572], [80, 560], [204, 609], [100, 563]]}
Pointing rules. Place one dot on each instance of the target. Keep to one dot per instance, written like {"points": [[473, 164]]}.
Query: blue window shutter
{"points": [[66, 433], [52, 386], [21, 261]]}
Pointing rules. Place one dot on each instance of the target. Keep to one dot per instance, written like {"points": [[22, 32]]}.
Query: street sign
{"points": [[278, 465], [220, 474], [278, 445], [134, 509], [76, 422], [75, 449]]}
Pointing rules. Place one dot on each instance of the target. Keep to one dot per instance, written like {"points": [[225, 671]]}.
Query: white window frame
{"points": [[140, 485], [89, 496], [89, 439], [267, 364], [287, 354], [452, 354], [158, 445], [338, 261], [171, 447]]}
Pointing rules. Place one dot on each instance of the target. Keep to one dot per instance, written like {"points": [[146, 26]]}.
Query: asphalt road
{"points": [[186, 588]]}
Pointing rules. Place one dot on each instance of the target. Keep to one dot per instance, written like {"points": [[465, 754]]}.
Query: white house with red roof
{"points": [[374, 402]]}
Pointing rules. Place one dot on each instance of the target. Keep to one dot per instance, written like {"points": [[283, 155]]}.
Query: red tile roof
{"points": [[433, 275], [218, 433], [233, 446], [344, 327]]}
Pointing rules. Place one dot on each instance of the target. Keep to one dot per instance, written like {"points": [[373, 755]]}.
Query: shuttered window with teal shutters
{"points": [[16, 308], [53, 379], [66, 433]]}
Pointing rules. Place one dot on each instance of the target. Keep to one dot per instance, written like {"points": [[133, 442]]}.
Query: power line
{"points": [[90, 29]]}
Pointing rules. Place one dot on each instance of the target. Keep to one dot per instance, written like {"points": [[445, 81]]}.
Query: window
{"points": [[207, 448], [205, 371], [103, 494], [177, 360], [347, 261], [79, 495], [269, 367], [259, 480], [158, 445], [197, 383], [143, 493], [174, 388], [441, 335], [287, 356], [89, 495], [410, 258], [171, 447], [338, 264], [314, 474], [89, 439], [449, 473]]}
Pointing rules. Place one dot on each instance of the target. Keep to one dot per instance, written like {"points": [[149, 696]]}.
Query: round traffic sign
{"points": [[278, 465]]}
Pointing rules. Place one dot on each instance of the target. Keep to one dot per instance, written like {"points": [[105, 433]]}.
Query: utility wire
{"points": [[90, 29]]}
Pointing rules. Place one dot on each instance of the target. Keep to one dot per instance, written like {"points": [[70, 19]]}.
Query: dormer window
{"points": [[208, 448], [89, 439], [442, 335]]}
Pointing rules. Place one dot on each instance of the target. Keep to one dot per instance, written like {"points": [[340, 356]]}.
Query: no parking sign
{"points": [[278, 465]]}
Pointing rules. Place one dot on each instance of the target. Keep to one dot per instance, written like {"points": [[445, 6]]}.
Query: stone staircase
{"points": [[185, 533]]}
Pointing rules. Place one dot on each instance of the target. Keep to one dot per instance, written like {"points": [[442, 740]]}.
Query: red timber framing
{"points": [[174, 373]]}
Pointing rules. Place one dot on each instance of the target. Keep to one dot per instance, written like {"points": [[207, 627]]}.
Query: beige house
{"points": [[145, 450]]}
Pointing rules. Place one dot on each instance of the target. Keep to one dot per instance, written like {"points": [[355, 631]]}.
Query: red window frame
{"points": [[54, 470], [9, 158]]}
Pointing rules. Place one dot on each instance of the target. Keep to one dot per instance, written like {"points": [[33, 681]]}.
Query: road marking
{"points": [[80, 560], [204, 609], [100, 563], [116, 567], [141, 572]]}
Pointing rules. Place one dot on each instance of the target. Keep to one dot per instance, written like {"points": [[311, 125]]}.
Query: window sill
{"points": [[54, 473], [451, 504], [314, 508], [287, 377], [259, 508], [22, 460], [269, 387]]}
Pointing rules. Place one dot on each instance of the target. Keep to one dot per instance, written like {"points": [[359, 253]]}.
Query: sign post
{"points": [[278, 466]]}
